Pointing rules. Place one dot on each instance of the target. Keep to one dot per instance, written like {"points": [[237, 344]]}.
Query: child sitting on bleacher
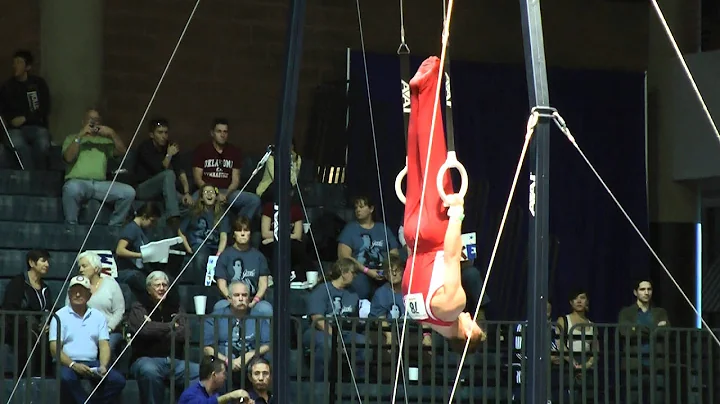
{"points": [[131, 269], [242, 262]]}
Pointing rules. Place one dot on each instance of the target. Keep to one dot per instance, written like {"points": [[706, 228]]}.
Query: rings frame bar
{"points": [[538, 338]]}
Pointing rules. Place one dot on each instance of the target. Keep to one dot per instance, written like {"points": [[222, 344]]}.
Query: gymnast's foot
{"points": [[427, 71]]}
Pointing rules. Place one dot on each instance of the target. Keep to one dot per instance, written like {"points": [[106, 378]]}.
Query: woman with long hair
{"points": [[198, 226]]}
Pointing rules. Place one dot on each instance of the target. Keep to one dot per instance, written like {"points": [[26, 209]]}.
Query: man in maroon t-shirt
{"points": [[218, 163]]}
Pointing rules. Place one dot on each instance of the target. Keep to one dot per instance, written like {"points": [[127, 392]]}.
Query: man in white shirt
{"points": [[83, 339]]}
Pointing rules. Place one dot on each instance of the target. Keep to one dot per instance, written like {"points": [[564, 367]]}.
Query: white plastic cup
{"points": [[306, 227], [200, 303], [312, 277], [413, 374]]}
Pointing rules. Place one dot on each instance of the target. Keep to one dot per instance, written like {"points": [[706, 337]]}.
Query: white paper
{"points": [[158, 251]]}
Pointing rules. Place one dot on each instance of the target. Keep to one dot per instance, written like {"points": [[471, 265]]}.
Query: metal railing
{"points": [[591, 363], [20, 331]]}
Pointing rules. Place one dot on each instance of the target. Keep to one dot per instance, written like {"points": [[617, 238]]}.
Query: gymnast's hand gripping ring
{"points": [[398, 183], [452, 162]]}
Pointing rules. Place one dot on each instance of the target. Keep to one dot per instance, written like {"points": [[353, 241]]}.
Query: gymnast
{"points": [[436, 296]]}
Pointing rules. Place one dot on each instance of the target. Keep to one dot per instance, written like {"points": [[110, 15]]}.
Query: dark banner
{"points": [[593, 247]]}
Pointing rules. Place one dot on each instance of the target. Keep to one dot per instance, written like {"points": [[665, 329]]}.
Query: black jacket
{"points": [[21, 296], [154, 339], [29, 98]]}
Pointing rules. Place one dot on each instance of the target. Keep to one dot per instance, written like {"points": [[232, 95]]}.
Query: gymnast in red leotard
{"points": [[436, 295]]}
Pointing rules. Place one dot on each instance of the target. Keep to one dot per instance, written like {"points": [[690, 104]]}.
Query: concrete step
{"points": [[56, 236]]}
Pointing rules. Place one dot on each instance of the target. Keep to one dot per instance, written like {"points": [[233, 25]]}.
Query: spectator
{"points": [[131, 269], [218, 163], [152, 364], [244, 263], [198, 226], [556, 387], [155, 171], [250, 337], [25, 101], [327, 302], [638, 322], [28, 292], [260, 379], [387, 302], [212, 379], [87, 154], [107, 297], [579, 336], [643, 312], [264, 190], [472, 282], [367, 243], [84, 347], [298, 256]]}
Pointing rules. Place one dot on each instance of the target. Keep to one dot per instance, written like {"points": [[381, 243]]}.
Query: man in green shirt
{"points": [[87, 154]]}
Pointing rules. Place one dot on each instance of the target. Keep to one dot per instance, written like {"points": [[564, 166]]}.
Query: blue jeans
{"points": [[162, 184], [32, 144], [323, 344], [151, 374], [197, 268], [76, 192], [71, 386], [247, 204]]}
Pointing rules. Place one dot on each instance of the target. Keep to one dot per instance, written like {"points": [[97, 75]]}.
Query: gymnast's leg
{"points": [[434, 221], [437, 231]]}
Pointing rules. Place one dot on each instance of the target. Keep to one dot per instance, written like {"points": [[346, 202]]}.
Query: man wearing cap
{"points": [[83, 340]]}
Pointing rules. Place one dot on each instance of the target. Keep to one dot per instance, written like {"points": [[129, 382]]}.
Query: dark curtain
{"points": [[324, 143], [593, 247]]}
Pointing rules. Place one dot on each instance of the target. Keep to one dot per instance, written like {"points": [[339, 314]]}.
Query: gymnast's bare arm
{"points": [[449, 301]]}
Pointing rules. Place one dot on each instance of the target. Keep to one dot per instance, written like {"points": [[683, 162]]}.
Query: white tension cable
{"points": [[566, 131], [257, 169], [433, 122], [377, 167], [532, 123], [117, 172]]}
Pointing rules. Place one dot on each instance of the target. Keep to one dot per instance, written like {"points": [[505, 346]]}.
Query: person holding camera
{"points": [[87, 154]]}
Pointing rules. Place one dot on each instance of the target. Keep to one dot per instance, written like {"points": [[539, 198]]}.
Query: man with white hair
{"points": [[84, 347], [249, 336], [152, 362]]}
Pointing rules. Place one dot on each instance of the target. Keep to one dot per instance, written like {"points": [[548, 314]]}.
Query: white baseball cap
{"points": [[80, 280]]}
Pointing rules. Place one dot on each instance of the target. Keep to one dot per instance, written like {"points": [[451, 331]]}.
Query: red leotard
{"points": [[427, 277]]}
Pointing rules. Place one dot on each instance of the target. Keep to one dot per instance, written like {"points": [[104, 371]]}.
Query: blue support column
{"points": [[286, 125], [535, 374]]}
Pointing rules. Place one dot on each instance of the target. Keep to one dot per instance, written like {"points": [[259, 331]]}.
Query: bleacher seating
{"points": [[31, 216]]}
